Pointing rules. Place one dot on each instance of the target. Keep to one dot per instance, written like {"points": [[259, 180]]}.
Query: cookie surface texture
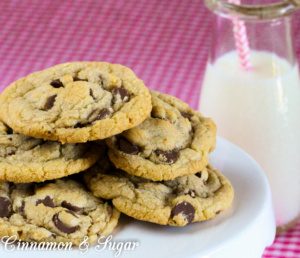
{"points": [[76, 102]]}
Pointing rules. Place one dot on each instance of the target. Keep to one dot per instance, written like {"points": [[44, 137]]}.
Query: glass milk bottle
{"points": [[257, 107]]}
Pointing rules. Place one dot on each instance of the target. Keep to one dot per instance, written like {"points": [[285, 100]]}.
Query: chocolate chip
{"points": [[169, 156], [75, 79], [54, 236], [185, 209], [56, 83], [22, 208], [5, 207], [128, 147], [10, 139], [218, 212], [71, 207], [78, 125], [120, 91], [47, 202], [11, 153], [63, 227], [103, 114], [50, 102], [187, 115], [198, 174], [92, 94]]}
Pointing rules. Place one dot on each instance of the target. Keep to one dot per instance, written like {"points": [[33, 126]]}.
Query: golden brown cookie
{"points": [[26, 159], [76, 102], [58, 211], [173, 141], [177, 202]]}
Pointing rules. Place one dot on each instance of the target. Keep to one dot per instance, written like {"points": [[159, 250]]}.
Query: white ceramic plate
{"points": [[242, 231]]}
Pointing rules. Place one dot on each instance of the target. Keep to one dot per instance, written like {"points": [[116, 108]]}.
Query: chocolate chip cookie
{"points": [[58, 211], [76, 102], [178, 202], [26, 159], [173, 141]]}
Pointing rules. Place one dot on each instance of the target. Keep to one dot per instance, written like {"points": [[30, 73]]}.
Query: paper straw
{"points": [[241, 40]]}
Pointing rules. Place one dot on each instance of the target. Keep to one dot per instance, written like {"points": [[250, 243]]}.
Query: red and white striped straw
{"points": [[241, 40]]}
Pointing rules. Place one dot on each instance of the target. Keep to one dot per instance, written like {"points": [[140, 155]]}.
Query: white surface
{"points": [[242, 231], [259, 111]]}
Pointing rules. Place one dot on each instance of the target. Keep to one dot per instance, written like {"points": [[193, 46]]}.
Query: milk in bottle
{"points": [[259, 110]]}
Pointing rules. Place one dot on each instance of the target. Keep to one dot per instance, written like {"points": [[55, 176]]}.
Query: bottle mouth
{"points": [[253, 12]]}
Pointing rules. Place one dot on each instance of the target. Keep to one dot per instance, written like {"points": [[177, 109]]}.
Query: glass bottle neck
{"points": [[253, 12], [271, 36]]}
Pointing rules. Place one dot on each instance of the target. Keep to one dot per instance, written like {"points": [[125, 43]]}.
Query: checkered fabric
{"points": [[165, 42], [286, 244]]}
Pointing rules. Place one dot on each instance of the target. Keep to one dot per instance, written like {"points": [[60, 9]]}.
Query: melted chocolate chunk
{"points": [[92, 94], [78, 125], [5, 207], [184, 209], [50, 102], [63, 227], [56, 83], [75, 79], [71, 207], [128, 147], [120, 91], [103, 114], [47, 202], [10, 139], [187, 115], [169, 156], [218, 212], [11, 153]]}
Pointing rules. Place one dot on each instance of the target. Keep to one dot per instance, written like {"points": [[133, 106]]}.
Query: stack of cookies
{"points": [[145, 151]]}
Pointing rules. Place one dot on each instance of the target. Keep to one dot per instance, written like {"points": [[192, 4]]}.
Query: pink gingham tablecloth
{"points": [[165, 42]]}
